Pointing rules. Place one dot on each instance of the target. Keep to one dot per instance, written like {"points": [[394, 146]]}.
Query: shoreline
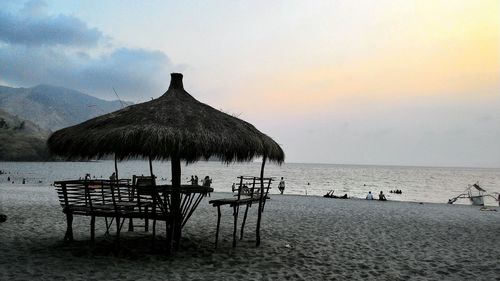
{"points": [[419, 185], [228, 193]]}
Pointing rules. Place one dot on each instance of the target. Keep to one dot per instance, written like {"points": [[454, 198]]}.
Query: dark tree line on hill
{"points": [[5, 125]]}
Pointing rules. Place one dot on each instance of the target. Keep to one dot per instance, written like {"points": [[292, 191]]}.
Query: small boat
{"points": [[474, 193]]}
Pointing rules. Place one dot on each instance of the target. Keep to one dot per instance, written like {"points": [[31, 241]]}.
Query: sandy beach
{"points": [[304, 238]]}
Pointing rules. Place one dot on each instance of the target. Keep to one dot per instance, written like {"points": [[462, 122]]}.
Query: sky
{"points": [[382, 82]]}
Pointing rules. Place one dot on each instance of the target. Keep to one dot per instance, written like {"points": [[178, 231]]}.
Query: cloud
{"points": [[32, 27], [37, 48], [34, 8], [136, 74]]}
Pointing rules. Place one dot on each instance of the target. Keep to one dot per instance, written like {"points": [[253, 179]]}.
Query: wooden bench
{"points": [[249, 190], [117, 200]]}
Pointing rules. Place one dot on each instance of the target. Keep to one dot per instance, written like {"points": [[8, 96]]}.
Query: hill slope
{"points": [[21, 140], [53, 108]]}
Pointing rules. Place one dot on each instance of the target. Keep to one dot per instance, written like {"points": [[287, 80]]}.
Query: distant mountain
{"points": [[29, 115], [53, 108], [21, 140]]}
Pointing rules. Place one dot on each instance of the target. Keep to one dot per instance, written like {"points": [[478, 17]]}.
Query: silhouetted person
{"points": [[281, 185], [195, 180], [369, 196], [24, 181], [207, 181], [381, 196], [112, 177]]}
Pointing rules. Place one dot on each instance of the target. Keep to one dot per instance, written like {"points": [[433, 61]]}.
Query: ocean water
{"points": [[419, 184]]}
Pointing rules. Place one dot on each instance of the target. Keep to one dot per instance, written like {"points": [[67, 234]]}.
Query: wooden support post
{"points": [[153, 182], [130, 225], [236, 209], [154, 229], [151, 168], [240, 187], [69, 228], [267, 192], [261, 199], [69, 215], [130, 198], [117, 238], [116, 168], [146, 220], [218, 225], [92, 228], [244, 220], [108, 225], [176, 201]]}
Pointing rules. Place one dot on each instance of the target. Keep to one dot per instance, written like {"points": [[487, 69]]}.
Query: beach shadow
{"points": [[132, 246]]}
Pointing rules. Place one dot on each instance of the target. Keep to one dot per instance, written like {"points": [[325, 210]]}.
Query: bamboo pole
{"points": [[176, 221], [116, 168], [151, 168], [261, 199]]}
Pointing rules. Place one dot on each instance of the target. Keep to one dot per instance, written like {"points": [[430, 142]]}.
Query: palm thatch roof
{"points": [[175, 124]]}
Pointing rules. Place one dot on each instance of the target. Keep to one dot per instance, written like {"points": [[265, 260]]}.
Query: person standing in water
{"points": [[281, 185], [369, 196], [207, 181], [381, 196]]}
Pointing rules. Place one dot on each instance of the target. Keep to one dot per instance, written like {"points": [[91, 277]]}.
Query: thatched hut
{"points": [[173, 127]]}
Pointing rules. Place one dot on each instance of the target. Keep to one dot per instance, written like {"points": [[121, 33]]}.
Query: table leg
{"points": [[69, 228], [235, 214], [92, 228], [218, 224], [243, 223], [130, 225], [117, 239]]}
